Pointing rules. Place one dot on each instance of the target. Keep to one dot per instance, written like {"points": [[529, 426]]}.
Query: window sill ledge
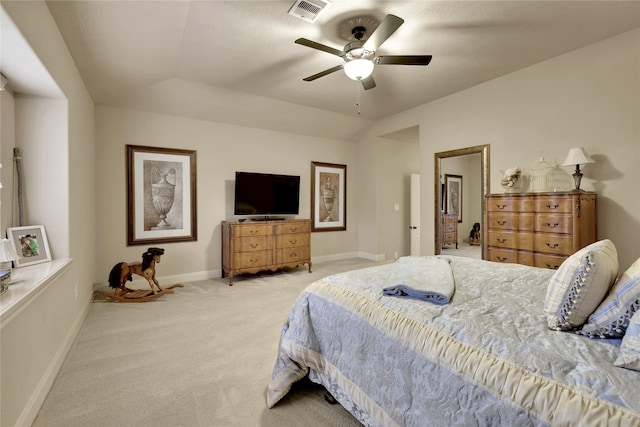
{"points": [[27, 283]]}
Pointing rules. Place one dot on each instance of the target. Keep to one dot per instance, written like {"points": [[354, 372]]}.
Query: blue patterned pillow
{"points": [[611, 318], [580, 284], [630, 347]]}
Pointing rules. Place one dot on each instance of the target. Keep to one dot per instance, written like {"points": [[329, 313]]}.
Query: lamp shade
{"points": [[358, 69], [7, 251], [577, 156]]}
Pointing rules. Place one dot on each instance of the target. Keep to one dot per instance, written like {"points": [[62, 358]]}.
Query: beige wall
{"points": [[222, 150], [36, 336], [589, 97]]}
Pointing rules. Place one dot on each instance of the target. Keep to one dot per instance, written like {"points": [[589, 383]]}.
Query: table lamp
{"points": [[577, 156]]}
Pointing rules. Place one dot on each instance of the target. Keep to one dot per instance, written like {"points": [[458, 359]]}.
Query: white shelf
{"points": [[27, 283]]}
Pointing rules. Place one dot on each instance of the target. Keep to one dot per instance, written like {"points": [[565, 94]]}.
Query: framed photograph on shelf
{"points": [[161, 195], [328, 197], [453, 195], [30, 243]]}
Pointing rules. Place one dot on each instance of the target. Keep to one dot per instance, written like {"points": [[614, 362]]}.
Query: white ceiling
{"points": [[140, 53]]}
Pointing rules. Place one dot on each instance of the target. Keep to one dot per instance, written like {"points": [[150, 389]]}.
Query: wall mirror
{"points": [[469, 168]]}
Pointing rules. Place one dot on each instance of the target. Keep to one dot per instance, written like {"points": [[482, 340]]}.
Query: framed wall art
{"points": [[30, 243], [328, 197], [161, 195], [453, 195]]}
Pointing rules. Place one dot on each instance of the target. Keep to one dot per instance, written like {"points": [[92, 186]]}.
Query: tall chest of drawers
{"points": [[251, 247], [449, 229], [538, 229]]}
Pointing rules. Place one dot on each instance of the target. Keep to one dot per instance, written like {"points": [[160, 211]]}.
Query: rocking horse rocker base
{"points": [[137, 295]]}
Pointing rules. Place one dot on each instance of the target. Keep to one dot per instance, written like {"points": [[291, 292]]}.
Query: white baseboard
{"points": [[164, 281]]}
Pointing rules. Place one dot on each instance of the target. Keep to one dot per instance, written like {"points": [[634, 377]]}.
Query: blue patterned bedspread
{"points": [[486, 358]]}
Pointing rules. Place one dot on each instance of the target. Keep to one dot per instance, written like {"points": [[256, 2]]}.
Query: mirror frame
{"points": [[484, 182]]}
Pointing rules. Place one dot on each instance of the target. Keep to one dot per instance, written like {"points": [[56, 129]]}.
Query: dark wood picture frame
{"points": [[328, 197], [161, 195], [453, 195]]}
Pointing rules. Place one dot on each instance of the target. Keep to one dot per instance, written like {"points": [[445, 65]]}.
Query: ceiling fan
{"points": [[360, 55]]}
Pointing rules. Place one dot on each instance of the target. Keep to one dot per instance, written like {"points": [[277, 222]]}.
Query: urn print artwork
{"points": [[161, 202], [328, 197]]}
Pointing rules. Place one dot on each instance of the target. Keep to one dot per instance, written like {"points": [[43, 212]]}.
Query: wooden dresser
{"points": [[449, 229], [253, 246], [538, 229]]}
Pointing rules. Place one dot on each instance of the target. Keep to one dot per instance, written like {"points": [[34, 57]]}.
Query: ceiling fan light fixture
{"points": [[358, 69]]}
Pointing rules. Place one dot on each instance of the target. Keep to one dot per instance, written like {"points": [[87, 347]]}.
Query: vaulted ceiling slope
{"points": [[236, 61]]}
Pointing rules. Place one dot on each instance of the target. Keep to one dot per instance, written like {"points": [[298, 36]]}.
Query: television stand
{"points": [[251, 247]]}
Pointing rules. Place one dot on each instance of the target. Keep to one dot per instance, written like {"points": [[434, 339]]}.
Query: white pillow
{"points": [[611, 318], [630, 347], [580, 284]]}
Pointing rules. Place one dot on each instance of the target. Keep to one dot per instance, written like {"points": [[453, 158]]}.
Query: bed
{"points": [[486, 357]]}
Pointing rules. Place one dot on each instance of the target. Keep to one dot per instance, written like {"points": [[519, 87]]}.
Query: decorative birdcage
{"points": [[541, 175]]}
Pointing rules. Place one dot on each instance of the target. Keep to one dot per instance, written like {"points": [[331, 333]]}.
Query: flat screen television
{"points": [[266, 194]]}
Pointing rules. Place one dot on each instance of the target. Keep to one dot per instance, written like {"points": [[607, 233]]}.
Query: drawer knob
{"points": [[552, 267], [293, 229], [294, 241], [254, 245], [501, 222], [293, 255], [550, 206], [501, 240], [501, 206], [501, 259], [554, 225], [552, 245]]}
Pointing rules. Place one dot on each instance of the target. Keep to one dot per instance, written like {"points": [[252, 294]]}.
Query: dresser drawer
{"points": [[552, 244], [292, 255], [510, 221], [510, 256], [553, 223], [294, 227], [248, 230], [554, 204], [292, 240], [548, 261], [251, 244], [253, 259]]}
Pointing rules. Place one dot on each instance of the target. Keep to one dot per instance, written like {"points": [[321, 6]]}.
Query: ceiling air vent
{"points": [[309, 10]]}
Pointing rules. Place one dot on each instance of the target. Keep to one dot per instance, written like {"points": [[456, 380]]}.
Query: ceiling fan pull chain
{"points": [[358, 97]]}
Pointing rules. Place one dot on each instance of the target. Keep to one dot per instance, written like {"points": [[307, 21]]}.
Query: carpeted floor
{"points": [[200, 357]]}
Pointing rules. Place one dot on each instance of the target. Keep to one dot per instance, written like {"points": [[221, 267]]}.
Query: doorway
{"points": [[444, 164]]}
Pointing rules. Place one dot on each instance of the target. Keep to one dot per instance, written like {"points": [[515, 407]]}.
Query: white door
{"points": [[414, 220]]}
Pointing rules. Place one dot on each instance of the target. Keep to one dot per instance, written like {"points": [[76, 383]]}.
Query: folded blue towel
{"points": [[411, 293], [427, 279]]}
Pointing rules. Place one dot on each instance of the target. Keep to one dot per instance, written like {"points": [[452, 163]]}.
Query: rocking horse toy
{"points": [[122, 271]]}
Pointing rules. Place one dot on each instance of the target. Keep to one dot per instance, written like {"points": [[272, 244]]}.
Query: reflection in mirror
{"points": [[461, 180]]}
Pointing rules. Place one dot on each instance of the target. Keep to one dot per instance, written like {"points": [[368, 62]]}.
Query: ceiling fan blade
{"points": [[404, 59], [323, 73], [368, 83], [388, 26], [319, 46]]}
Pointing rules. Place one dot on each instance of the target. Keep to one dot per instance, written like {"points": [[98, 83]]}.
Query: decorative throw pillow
{"points": [[611, 318], [580, 284], [630, 347]]}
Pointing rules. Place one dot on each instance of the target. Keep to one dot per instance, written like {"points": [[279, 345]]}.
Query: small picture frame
{"points": [[30, 243], [453, 195], [328, 197]]}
